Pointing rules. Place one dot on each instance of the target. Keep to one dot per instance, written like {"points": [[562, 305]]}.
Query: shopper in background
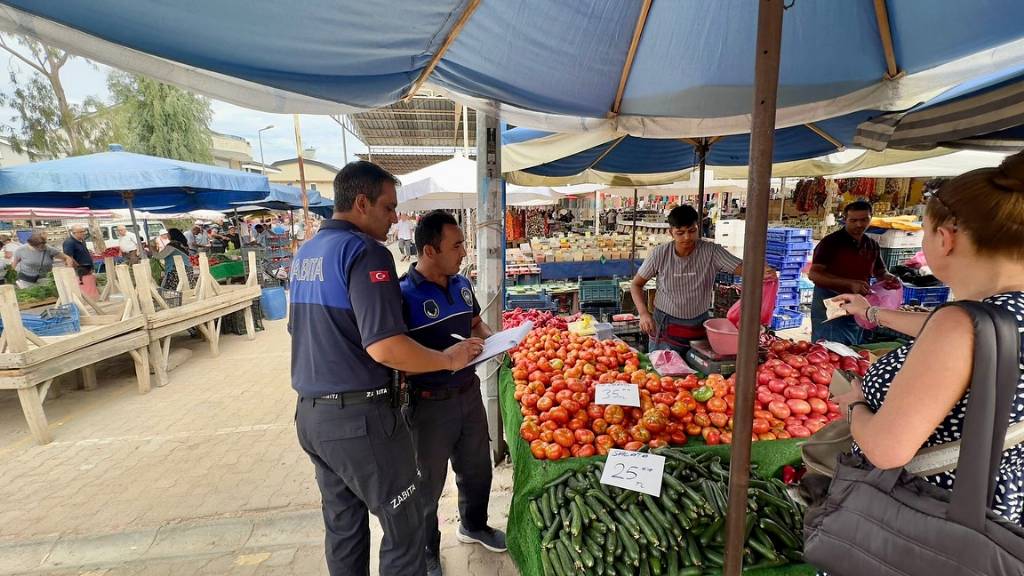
{"points": [[233, 239], [406, 225], [177, 245], [845, 261], [34, 260], [128, 243], [163, 239], [75, 248], [916, 396], [446, 412]]}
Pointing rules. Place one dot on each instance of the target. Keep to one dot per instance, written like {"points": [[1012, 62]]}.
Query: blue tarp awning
{"points": [[549, 65], [99, 181]]}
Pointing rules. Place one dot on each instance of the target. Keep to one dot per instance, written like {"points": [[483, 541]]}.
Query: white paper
{"points": [[621, 393], [502, 342], [636, 471], [840, 348]]}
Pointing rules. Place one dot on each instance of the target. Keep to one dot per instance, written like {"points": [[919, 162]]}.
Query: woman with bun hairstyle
{"points": [[914, 396]]}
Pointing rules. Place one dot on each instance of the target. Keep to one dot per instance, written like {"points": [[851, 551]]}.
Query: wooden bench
{"points": [[29, 363], [201, 307]]}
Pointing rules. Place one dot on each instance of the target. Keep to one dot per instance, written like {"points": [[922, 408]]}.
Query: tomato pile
{"points": [[555, 373], [792, 398], [540, 319]]}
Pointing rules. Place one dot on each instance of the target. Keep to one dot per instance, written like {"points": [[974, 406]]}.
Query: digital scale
{"points": [[703, 359]]}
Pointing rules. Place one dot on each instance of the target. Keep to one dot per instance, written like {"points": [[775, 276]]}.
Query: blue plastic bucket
{"points": [[274, 303]]}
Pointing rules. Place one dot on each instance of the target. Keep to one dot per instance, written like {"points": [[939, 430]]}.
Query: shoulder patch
{"points": [[467, 296], [380, 276]]}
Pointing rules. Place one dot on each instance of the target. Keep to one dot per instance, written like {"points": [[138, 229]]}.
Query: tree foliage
{"points": [[161, 120], [45, 124]]}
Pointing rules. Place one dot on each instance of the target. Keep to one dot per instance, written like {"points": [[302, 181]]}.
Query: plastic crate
{"points": [[171, 297], [788, 247], [785, 318], [529, 302], [800, 258], [789, 284], [600, 312], [931, 296], [897, 256], [896, 238], [728, 279], [789, 234], [788, 299], [57, 321], [599, 291]]}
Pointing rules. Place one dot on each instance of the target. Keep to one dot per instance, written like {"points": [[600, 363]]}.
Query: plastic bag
{"points": [[669, 363], [768, 297], [917, 261], [888, 298]]}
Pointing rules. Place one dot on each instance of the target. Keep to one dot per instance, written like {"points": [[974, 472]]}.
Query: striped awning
{"points": [[987, 114], [52, 213]]}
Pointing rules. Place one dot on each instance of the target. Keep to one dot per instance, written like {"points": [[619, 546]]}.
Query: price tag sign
{"points": [[621, 393], [636, 471], [839, 348]]}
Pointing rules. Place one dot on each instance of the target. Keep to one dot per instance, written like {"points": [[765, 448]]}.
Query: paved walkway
{"points": [[203, 476]]}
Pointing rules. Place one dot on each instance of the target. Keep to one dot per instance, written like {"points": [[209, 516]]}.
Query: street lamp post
{"points": [[259, 135]]}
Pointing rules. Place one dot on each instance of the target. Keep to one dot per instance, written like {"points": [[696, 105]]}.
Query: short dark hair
{"points": [[430, 229], [360, 177], [858, 206], [682, 217]]}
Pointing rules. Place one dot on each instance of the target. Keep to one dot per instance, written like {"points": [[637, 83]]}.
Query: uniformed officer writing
{"points": [[446, 411], [348, 335]]}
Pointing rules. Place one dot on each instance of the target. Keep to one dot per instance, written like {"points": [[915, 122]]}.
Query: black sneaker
{"points": [[433, 566], [493, 540]]}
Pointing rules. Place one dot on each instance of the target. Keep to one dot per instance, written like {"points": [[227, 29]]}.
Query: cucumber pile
{"points": [[592, 528]]}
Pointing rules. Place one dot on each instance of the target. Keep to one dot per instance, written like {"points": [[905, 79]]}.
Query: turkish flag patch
{"points": [[380, 276]]}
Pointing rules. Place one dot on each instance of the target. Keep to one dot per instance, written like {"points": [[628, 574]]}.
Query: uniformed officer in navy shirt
{"points": [[348, 338], [446, 411]]}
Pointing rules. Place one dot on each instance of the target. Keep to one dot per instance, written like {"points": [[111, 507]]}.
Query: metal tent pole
{"points": [[129, 198], [632, 245], [490, 257], [766, 85], [703, 151]]}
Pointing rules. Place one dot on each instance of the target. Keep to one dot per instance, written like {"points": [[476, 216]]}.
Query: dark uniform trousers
{"points": [[455, 429], [364, 460]]}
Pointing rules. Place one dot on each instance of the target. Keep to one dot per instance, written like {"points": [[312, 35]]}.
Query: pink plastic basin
{"points": [[722, 335]]}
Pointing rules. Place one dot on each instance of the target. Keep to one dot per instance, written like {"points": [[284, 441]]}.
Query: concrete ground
{"points": [[203, 476]]}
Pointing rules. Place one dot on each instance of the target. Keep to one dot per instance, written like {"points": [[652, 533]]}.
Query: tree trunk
{"points": [[67, 116]]}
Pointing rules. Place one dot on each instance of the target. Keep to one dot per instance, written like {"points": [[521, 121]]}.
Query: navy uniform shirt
{"points": [[433, 313], [344, 297], [80, 253]]}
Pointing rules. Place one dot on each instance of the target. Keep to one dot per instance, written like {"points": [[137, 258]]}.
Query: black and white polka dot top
{"points": [[1009, 497]]}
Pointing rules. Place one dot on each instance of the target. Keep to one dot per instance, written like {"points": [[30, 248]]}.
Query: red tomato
{"points": [[547, 436], [586, 451], [678, 409], [760, 426], [795, 392], [599, 425], [818, 406], [820, 377], [549, 424], [545, 403], [763, 376], [559, 414], [633, 446], [576, 424], [639, 433], [584, 436], [595, 411], [563, 395], [571, 406], [693, 430], [782, 435], [798, 431], [564, 437], [717, 405], [529, 430], [657, 443], [666, 398], [795, 361], [701, 419], [614, 414], [712, 437], [813, 426], [553, 452], [798, 406], [764, 398], [618, 435], [604, 442], [719, 419], [767, 436], [776, 385], [780, 410], [654, 421], [538, 449], [783, 370], [822, 391]]}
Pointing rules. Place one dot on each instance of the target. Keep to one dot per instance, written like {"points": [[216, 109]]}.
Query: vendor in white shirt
{"points": [[128, 242]]}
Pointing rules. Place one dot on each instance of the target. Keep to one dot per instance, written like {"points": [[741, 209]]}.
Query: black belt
{"points": [[360, 397], [442, 393]]}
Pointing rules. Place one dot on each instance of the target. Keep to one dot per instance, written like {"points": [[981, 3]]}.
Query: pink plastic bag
{"points": [[669, 363], [888, 298], [768, 296], [917, 261]]}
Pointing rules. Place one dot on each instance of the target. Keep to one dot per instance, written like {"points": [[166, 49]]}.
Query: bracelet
{"points": [[872, 315], [852, 405]]}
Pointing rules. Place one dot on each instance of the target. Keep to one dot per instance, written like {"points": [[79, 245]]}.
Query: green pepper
{"points": [[703, 394]]}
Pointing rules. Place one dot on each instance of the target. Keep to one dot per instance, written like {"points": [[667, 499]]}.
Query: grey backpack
{"points": [[893, 523]]}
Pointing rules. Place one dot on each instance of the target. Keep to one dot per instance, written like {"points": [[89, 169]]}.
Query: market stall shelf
{"points": [[29, 363], [201, 307]]}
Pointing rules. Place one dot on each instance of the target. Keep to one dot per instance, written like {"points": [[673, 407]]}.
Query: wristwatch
{"points": [[872, 315], [852, 405]]}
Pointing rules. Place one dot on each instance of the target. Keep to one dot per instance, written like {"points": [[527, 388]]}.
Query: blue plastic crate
{"points": [[785, 318], [789, 234], [57, 321], [529, 302], [793, 283], [600, 291], [787, 300], [788, 247], [728, 279], [931, 296], [795, 258]]}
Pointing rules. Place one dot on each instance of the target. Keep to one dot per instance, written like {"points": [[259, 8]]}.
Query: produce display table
{"points": [[202, 308], [30, 363], [588, 269], [529, 476]]}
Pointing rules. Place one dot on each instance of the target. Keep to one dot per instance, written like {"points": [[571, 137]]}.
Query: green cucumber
{"points": [[538, 519]]}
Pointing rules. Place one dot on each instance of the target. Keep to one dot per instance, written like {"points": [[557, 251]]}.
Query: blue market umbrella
{"points": [[119, 179]]}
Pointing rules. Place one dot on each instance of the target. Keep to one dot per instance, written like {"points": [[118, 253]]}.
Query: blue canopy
{"points": [[983, 114], [691, 74], [530, 157], [99, 181]]}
